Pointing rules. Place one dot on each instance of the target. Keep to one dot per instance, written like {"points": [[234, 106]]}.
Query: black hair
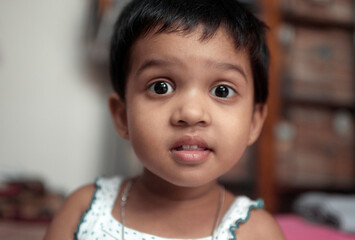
{"points": [[142, 16]]}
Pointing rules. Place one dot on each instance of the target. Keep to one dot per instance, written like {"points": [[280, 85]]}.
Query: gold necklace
{"points": [[125, 195]]}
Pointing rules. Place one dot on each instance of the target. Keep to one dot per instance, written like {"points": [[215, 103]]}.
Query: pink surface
{"points": [[296, 228]]}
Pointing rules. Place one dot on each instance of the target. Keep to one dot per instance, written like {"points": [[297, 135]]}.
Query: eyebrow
{"points": [[168, 62], [228, 66], [155, 63]]}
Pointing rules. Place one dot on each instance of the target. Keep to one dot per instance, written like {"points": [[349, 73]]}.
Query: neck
{"points": [[157, 187], [185, 208]]}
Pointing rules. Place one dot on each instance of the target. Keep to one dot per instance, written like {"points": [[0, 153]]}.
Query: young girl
{"points": [[190, 80]]}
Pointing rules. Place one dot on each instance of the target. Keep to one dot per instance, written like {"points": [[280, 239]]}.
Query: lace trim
{"points": [[232, 228]]}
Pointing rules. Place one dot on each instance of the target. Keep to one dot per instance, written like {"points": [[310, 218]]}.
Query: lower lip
{"points": [[190, 157]]}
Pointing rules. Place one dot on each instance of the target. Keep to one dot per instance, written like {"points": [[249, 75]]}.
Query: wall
{"points": [[54, 122]]}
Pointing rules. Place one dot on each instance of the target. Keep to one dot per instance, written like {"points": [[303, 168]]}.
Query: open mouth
{"points": [[191, 148], [190, 143]]}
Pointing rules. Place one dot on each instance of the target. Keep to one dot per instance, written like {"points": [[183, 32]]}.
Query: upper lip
{"points": [[191, 140]]}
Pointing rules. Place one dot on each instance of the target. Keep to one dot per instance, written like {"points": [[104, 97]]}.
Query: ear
{"points": [[119, 115], [258, 119]]}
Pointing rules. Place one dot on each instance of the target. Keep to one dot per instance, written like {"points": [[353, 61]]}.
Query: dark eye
{"points": [[161, 87], [222, 91]]}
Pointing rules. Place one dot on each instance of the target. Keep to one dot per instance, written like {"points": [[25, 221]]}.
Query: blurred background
{"points": [[56, 133]]}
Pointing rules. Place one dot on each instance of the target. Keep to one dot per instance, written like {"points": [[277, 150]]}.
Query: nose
{"points": [[191, 110]]}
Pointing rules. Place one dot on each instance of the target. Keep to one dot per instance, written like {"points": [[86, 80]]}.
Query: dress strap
{"points": [[237, 214], [107, 190], [101, 204]]}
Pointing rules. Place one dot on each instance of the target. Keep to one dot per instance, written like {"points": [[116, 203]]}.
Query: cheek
{"points": [[235, 144], [235, 132], [231, 153], [145, 130]]}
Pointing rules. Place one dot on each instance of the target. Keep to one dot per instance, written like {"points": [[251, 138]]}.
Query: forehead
{"points": [[185, 47]]}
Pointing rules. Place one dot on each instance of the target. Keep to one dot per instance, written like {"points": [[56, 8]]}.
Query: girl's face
{"points": [[189, 111]]}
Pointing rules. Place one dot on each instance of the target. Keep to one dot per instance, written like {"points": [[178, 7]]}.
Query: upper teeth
{"points": [[189, 147]]}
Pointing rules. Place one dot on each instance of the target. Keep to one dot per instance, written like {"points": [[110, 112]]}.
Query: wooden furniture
{"points": [[308, 139]]}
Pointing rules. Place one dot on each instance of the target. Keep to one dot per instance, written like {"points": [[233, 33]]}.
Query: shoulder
{"points": [[81, 197], [260, 225], [65, 223]]}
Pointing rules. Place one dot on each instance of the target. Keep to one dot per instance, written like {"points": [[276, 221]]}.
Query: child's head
{"points": [[191, 82], [142, 16]]}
